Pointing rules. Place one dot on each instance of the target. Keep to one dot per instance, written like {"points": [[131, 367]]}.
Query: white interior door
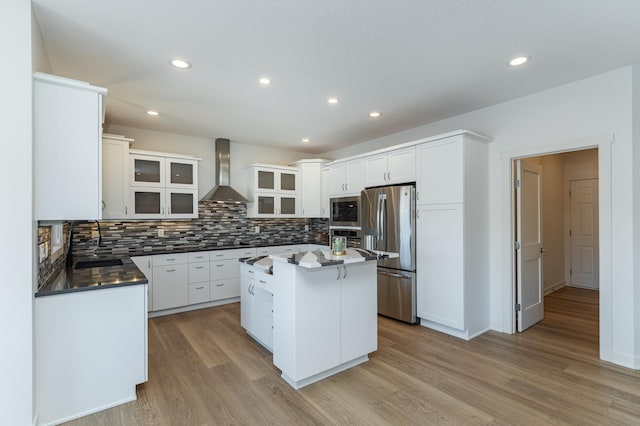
{"points": [[529, 234], [584, 233]]}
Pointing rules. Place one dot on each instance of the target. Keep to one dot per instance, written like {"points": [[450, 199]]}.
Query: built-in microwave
{"points": [[345, 211]]}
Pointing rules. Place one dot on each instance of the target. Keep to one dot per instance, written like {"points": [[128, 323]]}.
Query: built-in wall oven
{"points": [[353, 236], [345, 212]]}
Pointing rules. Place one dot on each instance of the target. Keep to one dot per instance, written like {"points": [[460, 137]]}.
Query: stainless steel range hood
{"points": [[222, 192]]}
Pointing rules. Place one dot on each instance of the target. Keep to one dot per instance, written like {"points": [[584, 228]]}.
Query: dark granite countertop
{"points": [[71, 280], [187, 248]]}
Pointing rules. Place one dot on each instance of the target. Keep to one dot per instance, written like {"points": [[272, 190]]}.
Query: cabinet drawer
{"points": [[229, 254], [224, 289], [220, 269], [199, 272], [170, 259], [264, 280], [198, 293], [199, 256]]}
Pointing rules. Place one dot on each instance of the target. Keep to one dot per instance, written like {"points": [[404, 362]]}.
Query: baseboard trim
{"points": [[625, 360], [153, 314], [554, 287]]}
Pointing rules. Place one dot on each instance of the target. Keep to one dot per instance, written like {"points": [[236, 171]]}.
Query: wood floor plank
{"points": [[205, 370]]}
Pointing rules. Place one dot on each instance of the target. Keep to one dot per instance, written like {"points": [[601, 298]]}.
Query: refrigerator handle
{"points": [[378, 220], [383, 218]]}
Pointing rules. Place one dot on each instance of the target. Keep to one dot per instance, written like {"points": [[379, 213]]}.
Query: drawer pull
{"points": [[219, 255], [219, 285], [199, 288], [251, 272], [199, 257], [171, 260], [219, 266], [263, 282], [171, 270], [199, 267]]}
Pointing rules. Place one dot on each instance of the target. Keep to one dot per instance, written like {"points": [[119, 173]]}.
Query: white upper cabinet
{"points": [[274, 191], [440, 172], [68, 118], [393, 167], [115, 176], [311, 187], [325, 194], [162, 185], [346, 177]]}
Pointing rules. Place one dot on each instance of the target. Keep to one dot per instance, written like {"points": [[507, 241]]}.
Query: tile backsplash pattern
{"points": [[217, 224], [49, 267]]}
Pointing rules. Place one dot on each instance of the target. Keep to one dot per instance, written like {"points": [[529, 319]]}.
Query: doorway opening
{"points": [[556, 229]]}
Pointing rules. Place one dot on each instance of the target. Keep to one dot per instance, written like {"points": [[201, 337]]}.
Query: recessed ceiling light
{"points": [[518, 61], [265, 81], [375, 114], [152, 112], [333, 100], [306, 140], [180, 63]]}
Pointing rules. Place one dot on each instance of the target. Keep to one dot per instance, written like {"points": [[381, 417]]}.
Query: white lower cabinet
{"points": [[256, 304], [198, 292], [170, 286]]}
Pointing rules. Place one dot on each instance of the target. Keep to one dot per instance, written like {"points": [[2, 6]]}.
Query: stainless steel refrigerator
{"points": [[388, 223]]}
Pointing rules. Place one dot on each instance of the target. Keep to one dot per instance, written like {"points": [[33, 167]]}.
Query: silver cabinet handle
{"points": [[171, 270], [199, 288], [199, 267], [219, 266], [199, 257], [394, 275], [418, 195], [171, 260], [219, 255], [251, 272], [263, 282], [338, 277], [149, 263], [219, 285], [126, 210], [345, 272]]}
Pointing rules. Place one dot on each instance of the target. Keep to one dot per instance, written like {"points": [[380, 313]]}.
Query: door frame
{"points": [[508, 273]]}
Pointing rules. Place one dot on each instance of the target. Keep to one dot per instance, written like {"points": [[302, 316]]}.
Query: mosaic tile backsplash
{"points": [[50, 265], [217, 224]]}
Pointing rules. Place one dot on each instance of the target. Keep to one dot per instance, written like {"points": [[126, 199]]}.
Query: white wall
{"points": [[16, 295], [241, 154], [574, 115], [39, 55], [636, 203]]}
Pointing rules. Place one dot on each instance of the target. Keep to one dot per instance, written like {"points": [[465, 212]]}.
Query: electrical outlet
{"points": [[94, 234], [306, 228], [256, 229], [160, 232]]}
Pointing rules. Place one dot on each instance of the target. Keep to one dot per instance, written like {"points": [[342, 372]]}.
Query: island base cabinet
{"points": [[92, 350], [324, 319]]}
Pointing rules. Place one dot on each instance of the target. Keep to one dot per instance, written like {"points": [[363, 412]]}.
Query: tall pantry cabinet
{"points": [[452, 212]]}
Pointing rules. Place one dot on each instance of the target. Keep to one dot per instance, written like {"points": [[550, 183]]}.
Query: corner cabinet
{"points": [[452, 241], [162, 186], [68, 116], [274, 191], [312, 193]]}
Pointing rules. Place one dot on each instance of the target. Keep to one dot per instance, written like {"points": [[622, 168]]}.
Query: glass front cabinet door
{"points": [[147, 170], [182, 204], [147, 203], [181, 173]]}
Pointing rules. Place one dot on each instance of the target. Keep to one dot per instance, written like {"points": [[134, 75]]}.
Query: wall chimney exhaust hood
{"points": [[222, 192]]}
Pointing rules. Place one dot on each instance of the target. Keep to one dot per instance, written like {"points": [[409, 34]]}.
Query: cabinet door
{"points": [[246, 298], [147, 170], [310, 197], [263, 316], [338, 178], [439, 252], [198, 293], [325, 194], [375, 170], [146, 203], [221, 269], [288, 206], [182, 203], [224, 289], [198, 272], [181, 173], [288, 181], [115, 178], [355, 177], [170, 286], [67, 132], [265, 180], [358, 311], [265, 205], [440, 173], [401, 165]]}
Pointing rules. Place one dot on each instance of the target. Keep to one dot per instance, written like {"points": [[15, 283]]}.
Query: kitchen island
{"points": [[324, 310]]}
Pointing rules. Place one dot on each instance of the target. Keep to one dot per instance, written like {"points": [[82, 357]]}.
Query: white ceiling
{"points": [[416, 61]]}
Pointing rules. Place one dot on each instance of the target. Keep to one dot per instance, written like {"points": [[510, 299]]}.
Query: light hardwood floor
{"points": [[204, 370]]}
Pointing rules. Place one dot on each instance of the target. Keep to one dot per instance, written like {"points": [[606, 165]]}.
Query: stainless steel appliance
{"points": [[345, 211], [388, 221], [354, 236]]}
